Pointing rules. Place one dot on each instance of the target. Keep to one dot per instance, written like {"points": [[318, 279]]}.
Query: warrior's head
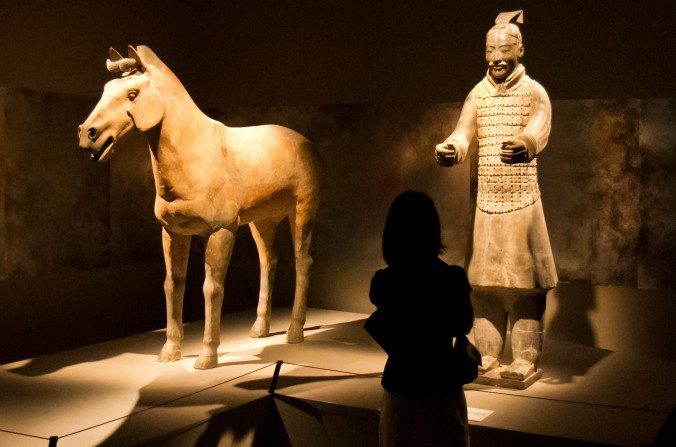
{"points": [[503, 45]]}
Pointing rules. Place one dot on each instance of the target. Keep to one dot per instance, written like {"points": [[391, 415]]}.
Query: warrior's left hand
{"points": [[513, 152]]}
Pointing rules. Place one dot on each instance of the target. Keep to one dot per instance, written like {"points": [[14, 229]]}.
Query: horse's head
{"points": [[129, 102]]}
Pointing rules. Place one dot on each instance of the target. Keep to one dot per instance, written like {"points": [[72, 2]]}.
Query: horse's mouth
{"points": [[105, 152]]}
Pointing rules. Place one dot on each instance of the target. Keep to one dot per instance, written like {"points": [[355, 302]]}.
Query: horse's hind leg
{"points": [[301, 228], [216, 259], [263, 233], [176, 249]]}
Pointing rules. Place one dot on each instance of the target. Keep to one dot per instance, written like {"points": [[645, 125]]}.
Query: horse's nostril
{"points": [[91, 133]]}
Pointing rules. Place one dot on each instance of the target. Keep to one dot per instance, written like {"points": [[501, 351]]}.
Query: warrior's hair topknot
{"points": [[509, 21]]}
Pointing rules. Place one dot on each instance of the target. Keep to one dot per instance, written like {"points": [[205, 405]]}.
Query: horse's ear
{"points": [[114, 55], [132, 54]]}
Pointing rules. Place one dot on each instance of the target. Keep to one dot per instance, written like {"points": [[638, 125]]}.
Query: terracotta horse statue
{"points": [[210, 179]]}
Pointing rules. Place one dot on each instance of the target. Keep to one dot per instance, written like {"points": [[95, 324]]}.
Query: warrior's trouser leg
{"points": [[490, 325], [527, 315]]}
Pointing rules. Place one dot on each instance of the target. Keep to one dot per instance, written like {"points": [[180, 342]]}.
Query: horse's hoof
{"points": [[261, 328], [295, 333], [169, 355], [206, 362]]}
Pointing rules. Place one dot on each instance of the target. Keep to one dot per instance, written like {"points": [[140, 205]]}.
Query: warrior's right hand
{"points": [[445, 154]]}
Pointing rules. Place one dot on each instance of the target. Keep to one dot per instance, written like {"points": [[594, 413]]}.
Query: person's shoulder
{"points": [[378, 288], [385, 276], [459, 275], [380, 275], [448, 269], [446, 266], [457, 270], [454, 273]]}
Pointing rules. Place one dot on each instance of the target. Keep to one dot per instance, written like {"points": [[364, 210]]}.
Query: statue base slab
{"points": [[493, 378]]}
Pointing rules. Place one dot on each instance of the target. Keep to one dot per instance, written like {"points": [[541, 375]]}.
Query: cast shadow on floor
{"points": [[254, 424], [570, 347], [39, 366], [573, 303], [563, 362], [340, 336]]}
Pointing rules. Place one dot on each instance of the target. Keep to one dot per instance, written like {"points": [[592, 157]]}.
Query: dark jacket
{"points": [[421, 307]]}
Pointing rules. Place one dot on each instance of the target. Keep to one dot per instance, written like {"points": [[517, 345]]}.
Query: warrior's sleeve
{"points": [[465, 131], [536, 133]]}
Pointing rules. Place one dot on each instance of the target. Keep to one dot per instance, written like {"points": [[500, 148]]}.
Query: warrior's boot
{"points": [[526, 349], [489, 341]]}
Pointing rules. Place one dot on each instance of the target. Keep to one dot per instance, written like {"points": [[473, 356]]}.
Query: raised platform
{"points": [[493, 378], [116, 393]]}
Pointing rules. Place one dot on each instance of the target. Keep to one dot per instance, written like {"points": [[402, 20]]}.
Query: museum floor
{"points": [[116, 393]]}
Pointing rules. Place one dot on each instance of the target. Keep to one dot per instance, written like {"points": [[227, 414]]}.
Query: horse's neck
{"points": [[180, 147], [183, 124]]}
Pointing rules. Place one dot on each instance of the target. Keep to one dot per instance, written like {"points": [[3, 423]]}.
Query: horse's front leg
{"points": [[176, 249], [216, 259]]}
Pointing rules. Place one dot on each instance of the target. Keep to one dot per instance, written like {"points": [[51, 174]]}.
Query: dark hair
{"points": [[412, 229]]}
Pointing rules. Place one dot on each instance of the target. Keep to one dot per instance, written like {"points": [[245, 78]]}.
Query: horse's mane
{"points": [[150, 58]]}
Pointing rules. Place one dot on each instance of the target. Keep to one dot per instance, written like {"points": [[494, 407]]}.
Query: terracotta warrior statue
{"points": [[508, 117]]}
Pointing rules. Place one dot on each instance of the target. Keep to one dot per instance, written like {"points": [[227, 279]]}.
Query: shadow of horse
{"points": [[221, 425]]}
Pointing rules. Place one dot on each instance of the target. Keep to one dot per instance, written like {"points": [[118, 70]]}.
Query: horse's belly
{"points": [[195, 217], [188, 227], [276, 204]]}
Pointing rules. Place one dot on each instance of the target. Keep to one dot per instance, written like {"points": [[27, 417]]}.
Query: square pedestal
{"points": [[493, 378]]}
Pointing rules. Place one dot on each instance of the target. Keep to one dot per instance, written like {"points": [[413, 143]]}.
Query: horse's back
{"points": [[275, 147], [267, 133], [274, 160]]}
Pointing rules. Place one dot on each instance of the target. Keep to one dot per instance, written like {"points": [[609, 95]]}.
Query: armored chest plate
{"points": [[502, 187]]}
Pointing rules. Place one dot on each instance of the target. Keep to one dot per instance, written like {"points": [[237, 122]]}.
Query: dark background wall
{"points": [[333, 52], [80, 255]]}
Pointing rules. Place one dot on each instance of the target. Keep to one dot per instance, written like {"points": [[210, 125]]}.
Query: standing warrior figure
{"points": [[508, 116]]}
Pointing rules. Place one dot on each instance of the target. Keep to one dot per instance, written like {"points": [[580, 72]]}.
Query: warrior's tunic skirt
{"points": [[510, 243], [512, 250]]}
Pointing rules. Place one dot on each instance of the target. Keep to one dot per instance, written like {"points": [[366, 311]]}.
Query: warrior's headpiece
{"points": [[509, 22]]}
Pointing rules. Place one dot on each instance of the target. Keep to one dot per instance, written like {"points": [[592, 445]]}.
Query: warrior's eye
{"points": [[132, 95]]}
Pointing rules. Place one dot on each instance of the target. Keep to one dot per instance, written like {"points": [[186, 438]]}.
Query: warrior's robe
{"points": [[510, 244]]}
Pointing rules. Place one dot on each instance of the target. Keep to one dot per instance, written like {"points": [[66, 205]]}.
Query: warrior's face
{"points": [[503, 52]]}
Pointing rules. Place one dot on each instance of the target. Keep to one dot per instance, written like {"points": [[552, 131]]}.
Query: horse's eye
{"points": [[132, 95]]}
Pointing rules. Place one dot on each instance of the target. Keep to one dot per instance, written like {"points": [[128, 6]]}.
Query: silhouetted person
{"points": [[422, 304]]}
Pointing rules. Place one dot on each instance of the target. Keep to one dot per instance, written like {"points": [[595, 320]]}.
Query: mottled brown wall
{"points": [[3, 219], [608, 197], [657, 237], [56, 206]]}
